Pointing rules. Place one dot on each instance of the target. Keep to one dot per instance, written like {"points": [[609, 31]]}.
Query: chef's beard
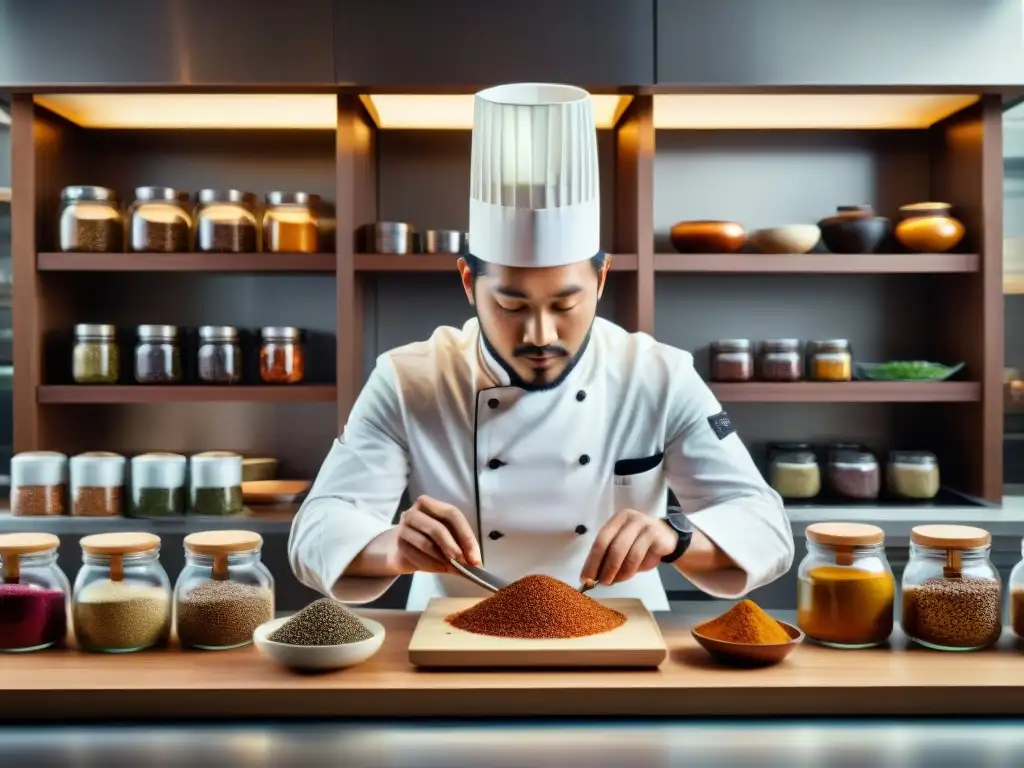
{"points": [[540, 382]]}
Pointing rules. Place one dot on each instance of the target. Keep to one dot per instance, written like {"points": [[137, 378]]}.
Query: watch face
{"points": [[680, 522]]}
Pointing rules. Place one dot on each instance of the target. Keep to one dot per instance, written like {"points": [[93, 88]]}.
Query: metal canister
{"points": [[390, 237], [442, 241]]}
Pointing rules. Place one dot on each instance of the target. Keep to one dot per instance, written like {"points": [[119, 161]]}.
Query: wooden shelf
{"points": [[849, 392], [118, 394], [187, 262], [815, 263], [428, 262]]}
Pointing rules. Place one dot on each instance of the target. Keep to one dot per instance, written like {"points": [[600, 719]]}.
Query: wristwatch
{"points": [[678, 523]]}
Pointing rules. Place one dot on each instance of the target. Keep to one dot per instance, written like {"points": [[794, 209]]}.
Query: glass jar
{"points": [[158, 485], [831, 361], [854, 475], [224, 591], [96, 358], [122, 596], [33, 592], [781, 360], [846, 591], [97, 484], [795, 474], [39, 481], [952, 594], [913, 475], [160, 221], [290, 223], [216, 487], [1016, 587], [157, 356], [226, 221], [282, 358], [220, 355], [90, 221], [732, 360]]}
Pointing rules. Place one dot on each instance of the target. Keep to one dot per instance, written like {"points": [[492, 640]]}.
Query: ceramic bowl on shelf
{"points": [[791, 238], [750, 654], [707, 236], [274, 491], [929, 228], [317, 658], [854, 229]]}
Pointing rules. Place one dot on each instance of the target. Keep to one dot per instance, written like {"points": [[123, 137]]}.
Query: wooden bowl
{"points": [[749, 655], [792, 238], [274, 491], [707, 236]]}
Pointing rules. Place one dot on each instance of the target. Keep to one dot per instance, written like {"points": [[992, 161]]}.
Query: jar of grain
{"points": [[291, 223], [97, 484], [224, 591], [160, 221], [854, 475], [845, 587], [33, 592], [39, 481], [782, 360], [158, 485], [220, 355], [122, 597], [732, 360], [913, 475], [831, 360], [795, 474], [226, 221], [157, 356], [96, 358], [90, 221], [282, 358], [216, 487], [952, 594]]}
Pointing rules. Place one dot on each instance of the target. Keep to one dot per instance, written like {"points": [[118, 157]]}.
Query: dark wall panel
{"points": [[411, 42], [837, 42]]}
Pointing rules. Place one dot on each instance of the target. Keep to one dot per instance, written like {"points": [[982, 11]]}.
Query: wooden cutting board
{"points": [[436, 643]]}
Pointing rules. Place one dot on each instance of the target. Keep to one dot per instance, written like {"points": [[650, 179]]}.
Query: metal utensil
{"points": [[479, 576], [587, 585]]}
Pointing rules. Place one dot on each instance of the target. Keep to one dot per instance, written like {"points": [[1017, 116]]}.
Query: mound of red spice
{"points": [[537, 607]]}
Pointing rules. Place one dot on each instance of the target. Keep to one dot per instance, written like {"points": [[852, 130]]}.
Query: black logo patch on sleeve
{"points": [[721, 424]]}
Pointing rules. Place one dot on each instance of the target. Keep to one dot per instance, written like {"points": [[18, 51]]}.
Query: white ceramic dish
{"points": [[318, 658], [792, 238]]}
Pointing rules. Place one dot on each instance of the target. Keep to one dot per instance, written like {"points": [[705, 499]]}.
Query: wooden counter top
{"points": [[170, 683]]}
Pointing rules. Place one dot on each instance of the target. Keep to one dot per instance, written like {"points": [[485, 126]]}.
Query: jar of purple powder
{"points": [[33, 592]]}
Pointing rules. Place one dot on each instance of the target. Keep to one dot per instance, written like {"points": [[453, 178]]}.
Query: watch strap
{"points": [[682, 544]]}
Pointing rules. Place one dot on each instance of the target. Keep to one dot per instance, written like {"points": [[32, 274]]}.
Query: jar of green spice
{"points": [[216, 486], [158, 485], [96, 358]]}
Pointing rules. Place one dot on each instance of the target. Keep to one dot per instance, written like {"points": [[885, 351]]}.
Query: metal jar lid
{"points": [[216, 469], [782, 345], [281, 333], [916, 459], [157, 332], [95, 331], [45, 468], [218, 333], [71, 194], [97, 469], [832, 345], [731, 345], [226, 196], [292, 198], [159, 470], [853, 459], [161, 194]]}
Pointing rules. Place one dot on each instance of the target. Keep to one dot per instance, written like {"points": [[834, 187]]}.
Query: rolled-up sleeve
{"points": [[721, 490], [355, 495]]}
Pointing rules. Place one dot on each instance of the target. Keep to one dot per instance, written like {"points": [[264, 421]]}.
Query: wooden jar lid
{"points": [[27, 543], [220, 542], [845, 534], [124, 543], [950, 536]]}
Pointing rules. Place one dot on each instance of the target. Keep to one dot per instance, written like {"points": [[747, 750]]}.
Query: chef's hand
{"points": [[628, 544], [430, 533]]}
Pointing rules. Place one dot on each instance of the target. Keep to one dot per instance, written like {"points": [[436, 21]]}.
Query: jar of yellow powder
{"points": [[831, 360]]}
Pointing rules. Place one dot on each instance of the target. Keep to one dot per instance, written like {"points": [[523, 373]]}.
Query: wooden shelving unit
{"points": [[849, 392], [187, 262], [818, 263], [154, 394], [421, 262]]}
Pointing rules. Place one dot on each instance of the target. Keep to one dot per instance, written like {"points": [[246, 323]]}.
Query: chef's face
{"points": [[536, 318]]}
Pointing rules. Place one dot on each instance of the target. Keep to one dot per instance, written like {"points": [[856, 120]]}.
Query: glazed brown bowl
{"points": [[750, 654], [707, 236], [929, 228]]}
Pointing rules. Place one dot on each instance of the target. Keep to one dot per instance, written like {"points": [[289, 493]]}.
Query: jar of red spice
{"points": [[33, 592], [732, 360], [282, 358], [781, 360]]}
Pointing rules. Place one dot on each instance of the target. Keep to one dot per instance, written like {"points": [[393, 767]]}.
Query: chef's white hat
{"points": [[534, 192]]}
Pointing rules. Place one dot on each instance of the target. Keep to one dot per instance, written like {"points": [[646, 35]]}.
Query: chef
{"points": [[537, 438]]}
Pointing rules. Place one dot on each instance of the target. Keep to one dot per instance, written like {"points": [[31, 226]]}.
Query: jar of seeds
{"points": [[226, 221], [158, 485], [157, 356], [216, 487], [122, 596], [97, 484], [290, 223], [952, 594], [282, 358], [39, 482], [96, 358], [33, 592], [224, 591], [220, 355], [160, 221], [90, 221]]}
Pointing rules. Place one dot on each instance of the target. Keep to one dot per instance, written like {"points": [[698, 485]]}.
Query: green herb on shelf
{"points": [[217, 501], [906, 370], [159, 502]]}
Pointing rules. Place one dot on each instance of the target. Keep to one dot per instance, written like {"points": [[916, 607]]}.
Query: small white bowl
{"points": [[317, 657], [791, 238]]}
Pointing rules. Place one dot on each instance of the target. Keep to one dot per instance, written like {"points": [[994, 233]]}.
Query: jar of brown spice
{"points": [[732, 360], [781, 360], [226, 221], [90, 220], [291, 223], [854, 475], [97, 484], [160, 221], [38, 483]]}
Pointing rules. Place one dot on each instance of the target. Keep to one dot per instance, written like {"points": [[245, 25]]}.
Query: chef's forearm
{"points": [[703, 556], [379, 558]]}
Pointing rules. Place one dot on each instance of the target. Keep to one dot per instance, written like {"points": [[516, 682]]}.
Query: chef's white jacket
{"points": [[537, 473]]}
